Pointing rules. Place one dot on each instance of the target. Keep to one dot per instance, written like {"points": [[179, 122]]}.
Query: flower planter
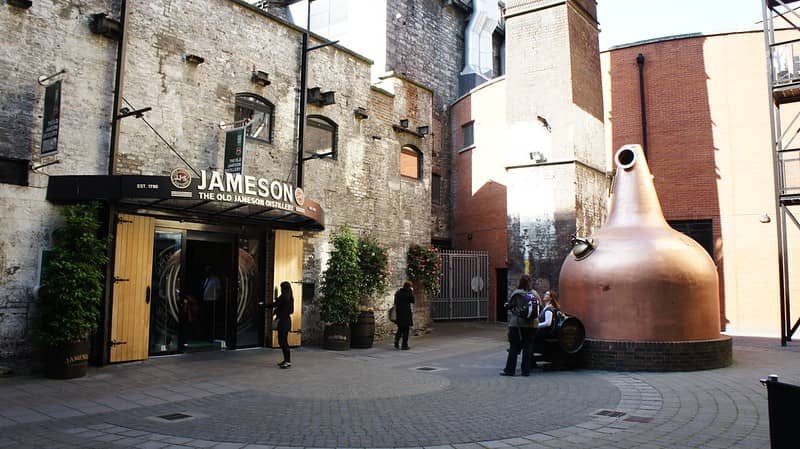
{"points": [[68, 361]]}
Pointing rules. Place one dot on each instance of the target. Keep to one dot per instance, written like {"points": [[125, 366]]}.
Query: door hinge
{"points": [[119, 279], [123, 220], [115, 342]]}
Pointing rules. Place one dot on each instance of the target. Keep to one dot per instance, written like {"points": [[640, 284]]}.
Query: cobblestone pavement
{"points": [[445, 393]]}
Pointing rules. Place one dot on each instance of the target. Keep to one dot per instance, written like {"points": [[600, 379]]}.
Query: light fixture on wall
{"points": [[126, 112], [544, 122], [260, 77], [100, 23], [764, 218], [404, 123], [360, 113], [194, 59], [423, 130], [319, 98], [537, 156]]}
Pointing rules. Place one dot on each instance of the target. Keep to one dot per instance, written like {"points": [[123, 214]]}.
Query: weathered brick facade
{"points": [[362, 187], [39, 42], [556, 160], [425, 42]]}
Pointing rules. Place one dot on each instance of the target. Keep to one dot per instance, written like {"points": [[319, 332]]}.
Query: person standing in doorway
{"points": [[212, 288], [284, 308], [211, 285], [402, 305]]}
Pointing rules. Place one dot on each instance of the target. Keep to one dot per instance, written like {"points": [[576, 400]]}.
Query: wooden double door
{"points": [[160, 301]]}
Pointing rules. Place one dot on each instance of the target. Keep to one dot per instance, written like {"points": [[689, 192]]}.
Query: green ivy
{"points": [[425, 267], [341, 281], [72, 289]]}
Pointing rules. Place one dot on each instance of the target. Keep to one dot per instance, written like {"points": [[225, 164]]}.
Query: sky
{"points": [[626, 21]]}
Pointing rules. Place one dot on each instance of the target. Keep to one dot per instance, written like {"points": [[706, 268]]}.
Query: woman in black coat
{"points": [[402, 305], [284, 307]]}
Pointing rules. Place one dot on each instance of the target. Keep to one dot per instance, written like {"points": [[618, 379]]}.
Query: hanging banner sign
{"points": [[234, 150], [52, 112]]}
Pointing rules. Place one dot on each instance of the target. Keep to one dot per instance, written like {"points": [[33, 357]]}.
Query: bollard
{"points": [[782, 401]]}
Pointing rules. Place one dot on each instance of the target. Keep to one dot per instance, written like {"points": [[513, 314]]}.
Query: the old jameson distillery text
{"points": [[239, 188]]}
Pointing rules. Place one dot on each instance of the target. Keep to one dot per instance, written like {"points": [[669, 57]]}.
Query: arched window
{"points": [[410, 162], [259, 111], [320, 137]]}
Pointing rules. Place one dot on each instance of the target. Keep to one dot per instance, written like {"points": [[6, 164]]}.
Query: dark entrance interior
{"points": [[188, 311], [210, 283], [501, 294]]}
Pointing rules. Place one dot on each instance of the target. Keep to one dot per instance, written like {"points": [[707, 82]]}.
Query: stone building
{"points": [[145, 134]]}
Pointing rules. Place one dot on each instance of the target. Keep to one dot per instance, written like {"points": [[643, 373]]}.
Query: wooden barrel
{"points": [[336, 337], [362, 332], [570, 334], [67, 361]]}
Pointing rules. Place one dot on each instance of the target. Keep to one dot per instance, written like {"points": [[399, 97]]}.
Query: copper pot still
{"points": [[637, 279]]}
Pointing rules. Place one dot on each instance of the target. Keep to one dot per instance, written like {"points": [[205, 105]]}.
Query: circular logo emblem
{"points": [[299, 196], [180, 178]]}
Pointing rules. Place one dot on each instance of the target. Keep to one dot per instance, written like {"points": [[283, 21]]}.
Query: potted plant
{"points": [[373, 263], [424, 269], [71, 292], [340, 291]]}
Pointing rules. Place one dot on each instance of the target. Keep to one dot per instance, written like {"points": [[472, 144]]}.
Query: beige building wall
{"points": [[738, 100]]}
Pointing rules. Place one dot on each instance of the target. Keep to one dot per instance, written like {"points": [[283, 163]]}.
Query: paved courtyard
{"points": [[445, 393]]}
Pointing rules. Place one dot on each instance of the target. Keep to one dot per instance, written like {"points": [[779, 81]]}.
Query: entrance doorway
{"points": [[501, 294], [206, 290], [210, 286]]}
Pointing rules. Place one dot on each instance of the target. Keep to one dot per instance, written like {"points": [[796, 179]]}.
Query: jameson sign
{"points": [[234, 150], [233, 187], [52, 112]]}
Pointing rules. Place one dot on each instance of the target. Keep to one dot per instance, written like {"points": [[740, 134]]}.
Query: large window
{"points": [[259, 112], [320, 137], [410, 162]]}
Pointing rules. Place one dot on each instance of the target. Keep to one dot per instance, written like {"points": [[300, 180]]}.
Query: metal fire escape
{"points": [[783, 75]]}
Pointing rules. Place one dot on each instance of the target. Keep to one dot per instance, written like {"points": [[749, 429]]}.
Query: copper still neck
{"points": [[634, 201]]}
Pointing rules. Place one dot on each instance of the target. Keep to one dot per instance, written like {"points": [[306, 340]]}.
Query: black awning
{"points": [[160, 193]]}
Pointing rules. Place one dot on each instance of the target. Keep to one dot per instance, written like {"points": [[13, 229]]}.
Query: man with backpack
{"points": [[523, 318]]}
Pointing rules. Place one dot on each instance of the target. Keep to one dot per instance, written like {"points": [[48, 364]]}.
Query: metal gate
{"points": [[464, 289]]}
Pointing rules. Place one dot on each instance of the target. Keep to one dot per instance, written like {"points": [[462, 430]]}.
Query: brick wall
{"points": [[479, 197], [656, 356], [40, 41], [362, 187], [680, 140]]}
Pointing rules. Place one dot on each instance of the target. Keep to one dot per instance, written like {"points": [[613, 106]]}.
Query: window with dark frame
{"points": [[260, 114], [467, 135], [700, 231], [320, 137], [410, 162], [436, 188], [14, 171]]}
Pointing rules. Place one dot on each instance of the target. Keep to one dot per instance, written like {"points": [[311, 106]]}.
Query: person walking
{"points": [[402, 305], [522, 321], [284, 308]]}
